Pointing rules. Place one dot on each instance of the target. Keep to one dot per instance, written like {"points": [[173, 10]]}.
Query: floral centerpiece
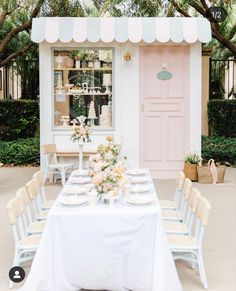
{"points": [[107, 168], [81, 132]]}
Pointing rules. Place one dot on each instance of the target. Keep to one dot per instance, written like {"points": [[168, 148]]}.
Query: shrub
{"points": [[20, 152], [18, 119], [220, 149], [222, 117]]}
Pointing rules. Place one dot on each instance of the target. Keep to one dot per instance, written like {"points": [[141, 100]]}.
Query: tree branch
{"points": [[216, 33], [3, 16], [12, 56], [20, 28], [178, 8]]}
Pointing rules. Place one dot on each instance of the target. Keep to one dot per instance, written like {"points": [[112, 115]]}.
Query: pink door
{"points": [[164, 109]]}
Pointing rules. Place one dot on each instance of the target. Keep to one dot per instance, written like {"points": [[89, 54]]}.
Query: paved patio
{"points": [[219, 241]]}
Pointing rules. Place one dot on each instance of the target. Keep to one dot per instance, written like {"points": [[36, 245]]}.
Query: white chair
{"points": [[169, 204], [34, 195], [25, 246], [179, 215], [189, 247], [44, 204], [30, 226], [52, 165], [185, 228]]}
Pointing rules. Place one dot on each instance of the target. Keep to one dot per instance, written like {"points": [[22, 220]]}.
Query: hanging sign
{"points": [[164, 74]]}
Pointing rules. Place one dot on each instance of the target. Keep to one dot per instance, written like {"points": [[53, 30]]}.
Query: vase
{"points": [[190, 171], [77, 64], [69, 62]]}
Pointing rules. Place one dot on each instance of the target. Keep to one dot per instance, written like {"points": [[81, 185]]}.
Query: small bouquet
{"points": [[81, 132], [107, 168]]}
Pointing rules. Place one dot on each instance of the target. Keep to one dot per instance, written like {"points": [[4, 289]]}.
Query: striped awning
{"points": [[121, 29]]}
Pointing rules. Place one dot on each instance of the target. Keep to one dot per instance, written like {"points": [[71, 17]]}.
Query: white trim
{"points": [[195, 98]]}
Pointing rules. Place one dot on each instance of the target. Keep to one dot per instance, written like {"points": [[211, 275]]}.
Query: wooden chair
{"points": [[175, 204], [52, 165], [34, 195], [185, 228], [30, 226], [44, 204], [25, 246], [189, 247], [180, 215]]}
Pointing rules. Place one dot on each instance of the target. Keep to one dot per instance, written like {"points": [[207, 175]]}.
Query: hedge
{"points": [[220, 149], [20, 152], [222, 117], [18, 119]]}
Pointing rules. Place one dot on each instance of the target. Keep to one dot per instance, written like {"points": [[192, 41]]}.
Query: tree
{"points": [[223, 32], [15, 23]]}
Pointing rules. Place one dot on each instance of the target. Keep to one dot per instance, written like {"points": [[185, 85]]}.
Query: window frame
{"points": [[94, 128]]}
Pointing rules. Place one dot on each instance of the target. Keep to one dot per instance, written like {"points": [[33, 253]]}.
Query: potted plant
{"points": [[191, 161]]}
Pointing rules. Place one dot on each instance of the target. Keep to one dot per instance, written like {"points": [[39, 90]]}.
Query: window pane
{"points": [[83, 86]]}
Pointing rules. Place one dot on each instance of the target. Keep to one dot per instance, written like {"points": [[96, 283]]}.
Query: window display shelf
{"points": [[83, 69], [86, 94]]}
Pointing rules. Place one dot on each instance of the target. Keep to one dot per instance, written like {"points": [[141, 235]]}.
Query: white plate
{"points": [[139, 200], [75, 190], [139, 188], [139, 180], [83, 173], [136, 172], [74, 201], [79, 180]]}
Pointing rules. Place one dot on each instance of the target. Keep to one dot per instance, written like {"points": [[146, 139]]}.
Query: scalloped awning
{"points": [[121, 29]]}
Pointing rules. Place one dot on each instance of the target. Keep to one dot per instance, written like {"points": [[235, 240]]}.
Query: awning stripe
{"points": [[176, 30], [203, 34], [121, 29], [65, 31], [107, 29], [80, 29], [162, 29], [148, 29], [190, 29]]}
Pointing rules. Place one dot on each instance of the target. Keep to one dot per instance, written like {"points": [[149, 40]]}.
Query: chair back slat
{"points": [[49, 151], [23, 196], [13, 210], [39, 177], [203, 210], [185, 192], [180, 177], [49, 148], [32, 188], [180, 180], [194, 199]]}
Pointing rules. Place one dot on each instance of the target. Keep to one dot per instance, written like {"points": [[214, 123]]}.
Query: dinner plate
{"points": [[73, 201], [74, 190], [139, 200], [139, 188], [139, 180], [136, 172], [83, 173], [79, 180]]}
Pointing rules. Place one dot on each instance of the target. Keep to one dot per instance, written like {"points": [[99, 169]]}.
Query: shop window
{"points": [[83, 86]]}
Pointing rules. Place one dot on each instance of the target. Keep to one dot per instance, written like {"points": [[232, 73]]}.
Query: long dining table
{"points": [[116, 247]]}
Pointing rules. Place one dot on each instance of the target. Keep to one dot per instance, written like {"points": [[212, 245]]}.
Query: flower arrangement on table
{"points": [[107, 169], [81, 132]]}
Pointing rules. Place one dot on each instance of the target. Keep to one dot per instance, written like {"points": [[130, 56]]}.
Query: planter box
{"points": [[190, 171]]}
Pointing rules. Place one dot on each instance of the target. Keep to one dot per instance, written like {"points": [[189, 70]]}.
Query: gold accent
{"points": [[127, 56]]}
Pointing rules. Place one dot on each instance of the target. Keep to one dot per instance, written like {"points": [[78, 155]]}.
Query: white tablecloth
{"points": [[103, 248]]}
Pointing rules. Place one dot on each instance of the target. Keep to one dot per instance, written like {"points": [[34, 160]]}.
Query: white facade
{"points": [[126, 98]]}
